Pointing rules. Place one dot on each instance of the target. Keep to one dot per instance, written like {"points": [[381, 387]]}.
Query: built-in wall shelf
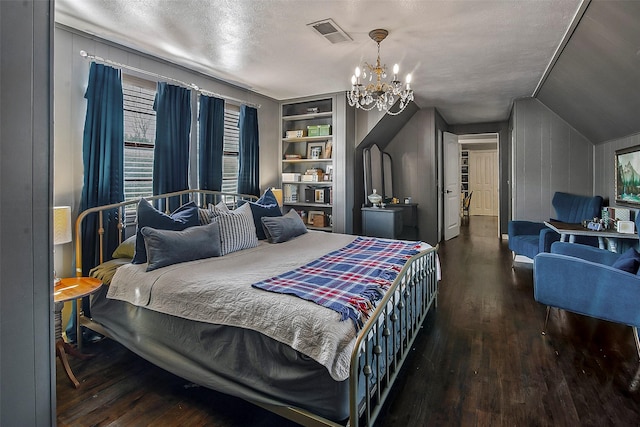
{"points": [[308, 116], [312, 199], [308, 138]]}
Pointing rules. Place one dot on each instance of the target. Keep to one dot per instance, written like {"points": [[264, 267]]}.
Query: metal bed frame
{"points": [[381, 346]]}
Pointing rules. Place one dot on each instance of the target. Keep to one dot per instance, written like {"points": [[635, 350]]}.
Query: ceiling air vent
{"points": [[328, 29]]}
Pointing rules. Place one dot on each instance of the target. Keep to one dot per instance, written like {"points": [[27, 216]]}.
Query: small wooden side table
{"points": [[72, 288]]}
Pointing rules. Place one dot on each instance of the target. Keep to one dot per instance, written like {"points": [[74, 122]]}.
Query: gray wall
{"points": [[71, 76], [27, 387], [604, 174], [414, 155], [548, 156]]}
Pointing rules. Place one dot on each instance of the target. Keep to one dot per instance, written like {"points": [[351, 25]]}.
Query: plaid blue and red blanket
{"points": [[348, 280]]}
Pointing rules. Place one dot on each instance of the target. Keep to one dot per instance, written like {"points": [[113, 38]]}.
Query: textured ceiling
{"points": [[470, 59]]}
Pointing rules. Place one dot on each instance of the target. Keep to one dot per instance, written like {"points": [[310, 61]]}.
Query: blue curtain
{"points": [[249, 173], [103, 160], [211, 143], [171, 154]]}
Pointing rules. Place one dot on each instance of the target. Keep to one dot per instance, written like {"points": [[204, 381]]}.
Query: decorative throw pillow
{"points": [[629, 261], [125, 249], [265, 206], [204, 216], [237, 230], [216, 210], [283, 228], [166, 247], [268, 198], [148, 216]]}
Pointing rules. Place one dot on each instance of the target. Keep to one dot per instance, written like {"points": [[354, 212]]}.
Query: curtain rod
{"points": [[193, 86]]}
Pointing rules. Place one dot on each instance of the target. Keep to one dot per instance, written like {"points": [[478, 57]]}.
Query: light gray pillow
{"points": [[283, 228], [167, 247]]}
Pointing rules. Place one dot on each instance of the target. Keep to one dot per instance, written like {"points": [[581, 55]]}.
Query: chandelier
{"points": [[378, 93]]}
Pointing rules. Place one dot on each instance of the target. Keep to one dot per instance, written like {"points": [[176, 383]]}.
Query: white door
{"points": [[451, 186], [483, 181]]}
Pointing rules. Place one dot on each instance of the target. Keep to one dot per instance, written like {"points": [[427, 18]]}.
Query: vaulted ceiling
{"points": [[469, 59], [595, 83]]}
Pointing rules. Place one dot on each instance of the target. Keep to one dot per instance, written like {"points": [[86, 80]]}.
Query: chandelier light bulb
{"points": [[357, 71], [353, 80], [396, 68]]}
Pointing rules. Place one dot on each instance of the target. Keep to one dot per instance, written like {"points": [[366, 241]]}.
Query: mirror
{"points": [[378, 172]]}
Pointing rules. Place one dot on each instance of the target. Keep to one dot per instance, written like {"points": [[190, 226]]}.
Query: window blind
{"points": [[139, 139]]}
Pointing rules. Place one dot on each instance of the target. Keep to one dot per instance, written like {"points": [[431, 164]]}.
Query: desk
{"points": [[74, 288], [604, 237]]}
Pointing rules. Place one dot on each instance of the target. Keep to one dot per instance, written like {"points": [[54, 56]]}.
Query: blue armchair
{"points": [[529, 238], [589, 281]]}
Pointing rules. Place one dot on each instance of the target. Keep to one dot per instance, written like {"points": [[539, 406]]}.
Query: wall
{"points": [[548, 156], [604, 174], [71, 75], [27, 365], [414, 155]]}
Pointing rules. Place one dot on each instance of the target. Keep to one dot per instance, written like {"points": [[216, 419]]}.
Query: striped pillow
{"points": [[237, 230], [204, 216], [219, 209]]}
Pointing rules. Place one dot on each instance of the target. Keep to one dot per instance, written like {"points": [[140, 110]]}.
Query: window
{"points": [[231, 148], [139, 139]]}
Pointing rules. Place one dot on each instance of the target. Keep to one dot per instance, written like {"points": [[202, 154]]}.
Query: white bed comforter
{"points": [[218, 290]]}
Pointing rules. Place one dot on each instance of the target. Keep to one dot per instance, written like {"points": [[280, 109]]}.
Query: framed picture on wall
{"points": [[627, 176]]}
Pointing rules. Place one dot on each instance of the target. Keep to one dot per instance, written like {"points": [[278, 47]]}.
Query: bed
{"points": [[217, 322]]}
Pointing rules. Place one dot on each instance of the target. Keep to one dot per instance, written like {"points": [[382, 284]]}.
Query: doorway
{"points": [[480, 175]]}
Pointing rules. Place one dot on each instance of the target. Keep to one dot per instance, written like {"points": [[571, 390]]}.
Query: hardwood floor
{"points": [[480, 361]]}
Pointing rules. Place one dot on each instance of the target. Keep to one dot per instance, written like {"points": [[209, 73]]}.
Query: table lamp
{"points": [[61, 228]]}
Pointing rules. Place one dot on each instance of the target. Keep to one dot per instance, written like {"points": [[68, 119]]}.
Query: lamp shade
{"points": [[61, 224]]}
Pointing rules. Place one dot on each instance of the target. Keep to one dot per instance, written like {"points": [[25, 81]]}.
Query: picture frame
{"points": [[311, 214], [319, 194], [328, 173], [315, 150], [627, 176]]}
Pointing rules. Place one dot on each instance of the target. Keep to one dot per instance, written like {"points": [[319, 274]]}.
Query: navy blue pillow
{"points": [[629, 261], [265, 206], [268, 198], [148, 216]]}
